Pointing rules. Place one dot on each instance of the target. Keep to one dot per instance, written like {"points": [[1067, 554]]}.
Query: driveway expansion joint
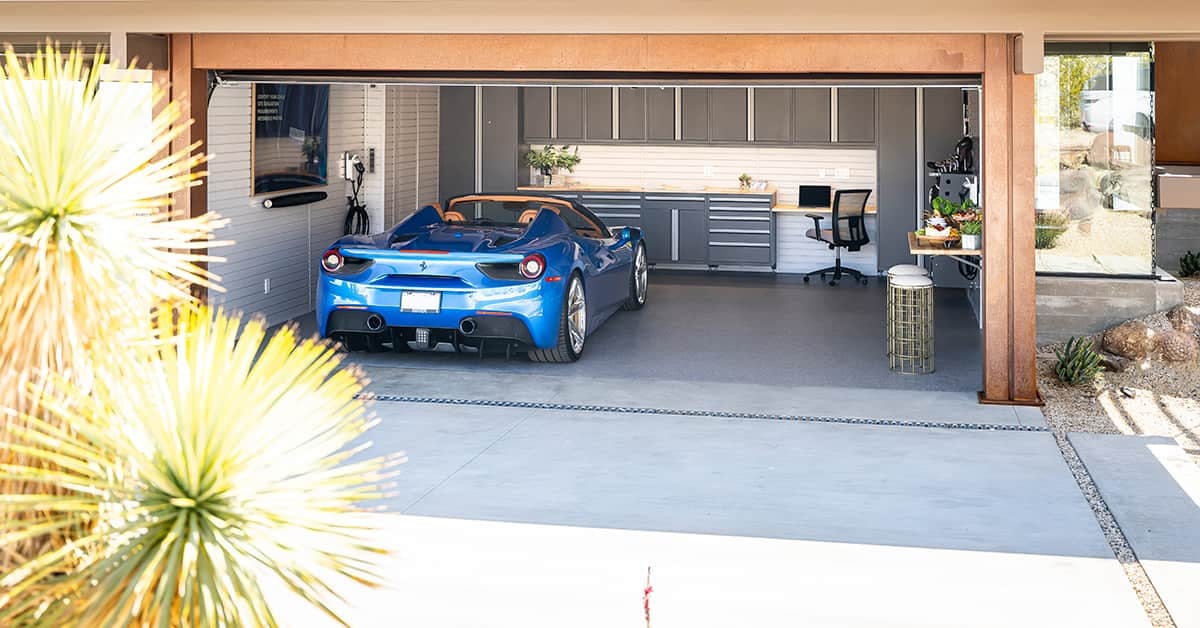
{"points": [[542, 405]]}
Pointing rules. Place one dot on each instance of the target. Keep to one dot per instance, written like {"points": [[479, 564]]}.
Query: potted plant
{"points": [[972, 234], [744, 181], [550, 159]]}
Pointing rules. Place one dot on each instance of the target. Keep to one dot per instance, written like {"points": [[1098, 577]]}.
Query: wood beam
{"points": [[189, 87], [882, 54]]}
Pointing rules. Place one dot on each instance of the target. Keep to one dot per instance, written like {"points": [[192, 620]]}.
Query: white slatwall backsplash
{"points": [[399, 122], [684, 166], [795, 253]]}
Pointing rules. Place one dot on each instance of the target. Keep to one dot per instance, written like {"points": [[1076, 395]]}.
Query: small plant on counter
{"points": [[1189, 264], [1078, 363], [972, 227], [744, 181], [1049, 226], [972, 232], [551, 158]]}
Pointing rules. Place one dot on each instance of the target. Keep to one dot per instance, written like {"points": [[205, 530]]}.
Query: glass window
{"points": [[1094, 141]]}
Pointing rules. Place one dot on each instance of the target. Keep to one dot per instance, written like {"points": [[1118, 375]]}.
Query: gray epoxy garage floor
{"points": [[749, 328]]}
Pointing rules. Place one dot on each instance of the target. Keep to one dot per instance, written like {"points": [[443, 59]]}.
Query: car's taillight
{"points": [[332, 260], [532, 266]]}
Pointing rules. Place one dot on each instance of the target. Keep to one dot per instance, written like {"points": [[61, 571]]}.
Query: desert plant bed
{"points": [[1153, 397]]}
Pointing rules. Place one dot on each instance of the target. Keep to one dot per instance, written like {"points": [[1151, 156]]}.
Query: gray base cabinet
{"points": [[657, 230], [689, 228]]}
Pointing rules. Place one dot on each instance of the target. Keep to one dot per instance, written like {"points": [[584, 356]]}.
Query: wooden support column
{"points": [[189, 87], [1009, 286]]}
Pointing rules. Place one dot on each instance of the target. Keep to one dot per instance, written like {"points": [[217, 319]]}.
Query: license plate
{"points": [[420, 302]]}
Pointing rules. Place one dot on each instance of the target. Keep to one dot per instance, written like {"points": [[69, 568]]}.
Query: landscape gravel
{"points": [[1152, 398]]}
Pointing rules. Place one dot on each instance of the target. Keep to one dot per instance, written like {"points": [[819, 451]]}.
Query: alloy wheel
{"points": [[641, 275], [576, 315]]}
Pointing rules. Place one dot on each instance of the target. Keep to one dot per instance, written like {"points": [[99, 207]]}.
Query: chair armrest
{"points": [[817, 224]]}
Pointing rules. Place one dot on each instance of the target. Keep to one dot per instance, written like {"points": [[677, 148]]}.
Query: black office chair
{"points": [[849, 232]]}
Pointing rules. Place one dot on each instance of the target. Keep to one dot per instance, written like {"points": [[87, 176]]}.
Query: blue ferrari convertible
{"points": [[530, 273]]}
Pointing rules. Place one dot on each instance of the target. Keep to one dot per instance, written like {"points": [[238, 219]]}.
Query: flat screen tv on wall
{"points": [[291, 132]]}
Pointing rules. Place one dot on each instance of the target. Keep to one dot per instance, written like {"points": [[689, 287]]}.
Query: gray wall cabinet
{"points": [[856, 114], [810, 114], [660, 113], [715, 114], [773, 114], [631, 113], [792, 114], [598, 113], [570, 114], [727, 114], [694, 114], [535, 114]]}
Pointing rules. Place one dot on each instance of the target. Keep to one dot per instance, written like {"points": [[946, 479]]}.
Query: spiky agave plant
{"points": [[216, 463], [88, 242]]}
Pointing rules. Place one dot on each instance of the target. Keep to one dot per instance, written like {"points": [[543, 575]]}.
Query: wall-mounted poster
{"points": [[291, 130]]}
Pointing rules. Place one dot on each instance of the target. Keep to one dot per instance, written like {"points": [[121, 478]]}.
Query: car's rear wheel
{"points": [[639, 281], [572, 326]]}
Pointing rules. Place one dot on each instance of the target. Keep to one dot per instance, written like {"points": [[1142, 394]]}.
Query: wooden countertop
{"points": [[708, 189], [916, 248], [793, 208]]}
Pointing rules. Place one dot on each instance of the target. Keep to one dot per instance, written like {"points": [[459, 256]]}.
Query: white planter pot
{"points": [[972, 242]]}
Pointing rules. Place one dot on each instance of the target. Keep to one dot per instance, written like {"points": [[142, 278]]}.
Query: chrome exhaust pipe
{"points": [[374, 322], [467, 326]]}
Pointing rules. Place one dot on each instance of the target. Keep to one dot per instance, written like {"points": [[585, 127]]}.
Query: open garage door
{"points": [[664, 156]]}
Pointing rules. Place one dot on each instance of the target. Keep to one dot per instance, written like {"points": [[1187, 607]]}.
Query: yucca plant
{"points": [[1078, 363], [1189, 264], [216, 460], [88, 242]]}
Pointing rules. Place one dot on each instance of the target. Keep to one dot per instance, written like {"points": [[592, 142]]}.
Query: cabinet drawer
{"points": [[609, 197], [738, 254], [681, 203], [742, 199], [627, 219], [730, 237], [739, 216], [756, 223]]}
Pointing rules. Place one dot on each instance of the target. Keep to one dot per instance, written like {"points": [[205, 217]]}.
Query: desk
{"points": [[970, 258]]}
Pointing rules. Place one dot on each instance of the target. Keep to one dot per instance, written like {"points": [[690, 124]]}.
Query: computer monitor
{"points": [[815, 196]]}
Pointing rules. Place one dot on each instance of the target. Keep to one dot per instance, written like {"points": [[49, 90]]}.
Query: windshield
{"points": [[493, 213], [518, 213]]}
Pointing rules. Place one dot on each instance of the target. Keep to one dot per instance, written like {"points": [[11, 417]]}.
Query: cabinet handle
{"points": [[674, 198], [757, 245], [674, 235], [739, 218], [756, 231]]}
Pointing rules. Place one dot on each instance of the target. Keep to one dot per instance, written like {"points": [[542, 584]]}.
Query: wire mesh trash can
{"points": [[910, 324], [899, 270]]}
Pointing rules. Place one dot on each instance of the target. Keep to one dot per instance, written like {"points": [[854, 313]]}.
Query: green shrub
{"points": [[972, 227], [1078, 363], [1189, 264], [1049, 226]]}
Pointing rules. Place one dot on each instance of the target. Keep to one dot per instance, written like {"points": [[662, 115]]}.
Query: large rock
{"points": [[1178, 346], [1132, 339], [1182, 319]]}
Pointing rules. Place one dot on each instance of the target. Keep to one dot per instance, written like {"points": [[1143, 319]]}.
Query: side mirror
{"points": [[626, 234]]}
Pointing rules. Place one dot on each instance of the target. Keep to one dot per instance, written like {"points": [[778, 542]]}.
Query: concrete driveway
{"points": [[512, 516]]}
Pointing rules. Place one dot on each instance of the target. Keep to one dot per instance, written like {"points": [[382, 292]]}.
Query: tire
{"points": [[565, 350], [639, 281]]}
